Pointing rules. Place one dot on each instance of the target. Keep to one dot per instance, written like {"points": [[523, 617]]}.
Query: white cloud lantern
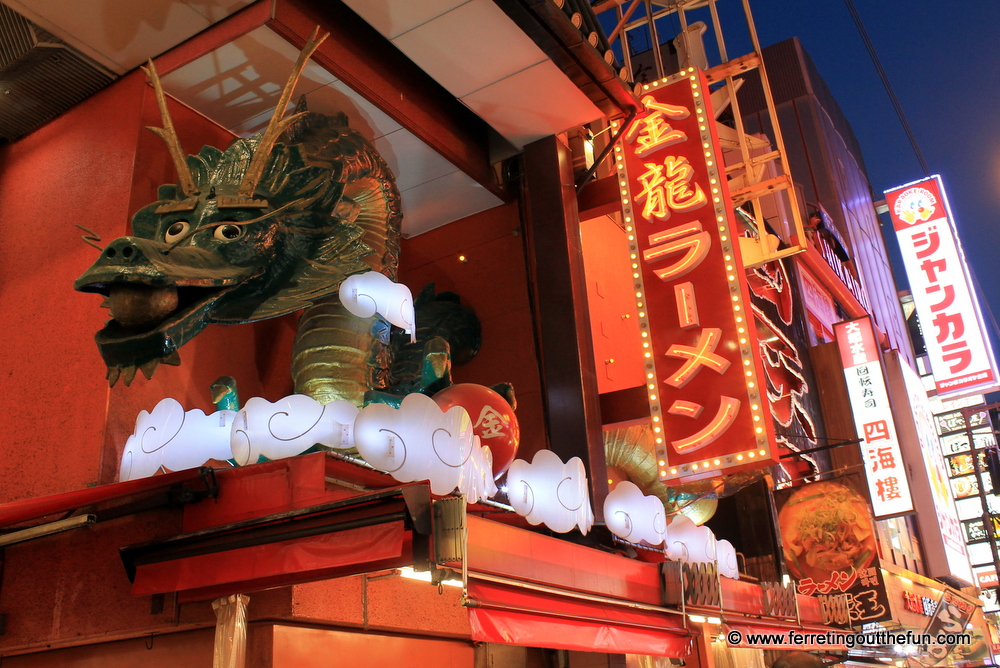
{"points": [[289, 427], [549, 492], [633, 516], [419, 441], [726, 555], [686, 541], [369, 293], [476, 483], [175, 439]]}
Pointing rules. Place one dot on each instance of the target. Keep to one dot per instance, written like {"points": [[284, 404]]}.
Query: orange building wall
{"points": [[95, 165], [493, 281], [192, 649], [298, 647], [383, 602], [614, 320]]}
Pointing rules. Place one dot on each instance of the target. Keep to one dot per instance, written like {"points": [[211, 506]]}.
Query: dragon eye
{"points": [[176, 230], [228, 232]]}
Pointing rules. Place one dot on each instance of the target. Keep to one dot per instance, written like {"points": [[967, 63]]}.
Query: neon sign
{"points": [[707, 408]]}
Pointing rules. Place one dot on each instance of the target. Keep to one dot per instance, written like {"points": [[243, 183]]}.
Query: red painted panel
{"points": [[747, 598], [614, 324], [741, 596], [263, 489], [514, 616], [39, 507], [525, 555], [273, 564], [75, 169], [809, 609], [299, 647]]}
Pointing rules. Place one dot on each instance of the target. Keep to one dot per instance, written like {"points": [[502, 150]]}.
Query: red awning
{"points": [[516, 616], [791, 637], [281, 563], [16, 512]]}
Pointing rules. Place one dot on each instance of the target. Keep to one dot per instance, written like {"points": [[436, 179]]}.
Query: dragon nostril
{"points": [[127, 252], [110, 252]]}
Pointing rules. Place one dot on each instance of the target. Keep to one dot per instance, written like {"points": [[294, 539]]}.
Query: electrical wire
{"points": [[888, 87]]}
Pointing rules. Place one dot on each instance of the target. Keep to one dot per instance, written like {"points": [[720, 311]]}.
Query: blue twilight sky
{"points": [[944, 65], [945, 69]]}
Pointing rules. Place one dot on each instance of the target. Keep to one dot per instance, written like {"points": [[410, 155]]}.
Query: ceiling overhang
{"points": [[589, 66], [445, 89]]}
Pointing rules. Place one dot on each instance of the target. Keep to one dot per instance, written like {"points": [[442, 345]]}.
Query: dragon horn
{"points": [[274, 129], [169, 135]]}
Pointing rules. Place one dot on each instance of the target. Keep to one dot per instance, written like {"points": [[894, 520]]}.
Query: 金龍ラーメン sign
{"points": [[959, 351], [866, 388], [707, 407]]}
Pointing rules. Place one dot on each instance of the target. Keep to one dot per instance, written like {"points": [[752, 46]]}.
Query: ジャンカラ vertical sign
{"points": [[702, 373], [884, 468], [959, 350]]}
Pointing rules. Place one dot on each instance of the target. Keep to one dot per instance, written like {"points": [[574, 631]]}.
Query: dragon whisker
{"points": [[90, 238]]}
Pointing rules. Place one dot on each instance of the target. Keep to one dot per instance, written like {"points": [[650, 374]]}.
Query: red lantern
{"points": [[492, 417]]}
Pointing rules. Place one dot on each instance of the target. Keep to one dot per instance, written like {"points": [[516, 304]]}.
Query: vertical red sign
{"points": [[707, 407]]}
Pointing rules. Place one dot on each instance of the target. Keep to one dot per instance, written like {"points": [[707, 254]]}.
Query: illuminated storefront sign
{"points": [[828, 542], [951, 616], [921, 605], [866, 388], [958, 348], [963, 440], [943, 545], [786, 374], [707, 409]]}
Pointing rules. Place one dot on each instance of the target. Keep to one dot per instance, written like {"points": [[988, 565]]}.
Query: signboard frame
{"points": [[703, 376]]}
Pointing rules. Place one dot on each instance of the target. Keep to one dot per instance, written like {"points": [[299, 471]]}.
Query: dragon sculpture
{"points": [[269, 226], [273, 225]]}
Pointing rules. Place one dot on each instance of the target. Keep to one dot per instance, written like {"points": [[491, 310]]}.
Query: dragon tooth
{"points": [[173, 359], [149, 368], [113, 373], [128, 374]]}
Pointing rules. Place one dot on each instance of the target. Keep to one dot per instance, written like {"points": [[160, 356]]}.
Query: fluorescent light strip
{"points": [[425, 576]]}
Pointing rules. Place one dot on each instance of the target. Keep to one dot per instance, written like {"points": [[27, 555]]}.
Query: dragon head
{"points": [[252, 232]]}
